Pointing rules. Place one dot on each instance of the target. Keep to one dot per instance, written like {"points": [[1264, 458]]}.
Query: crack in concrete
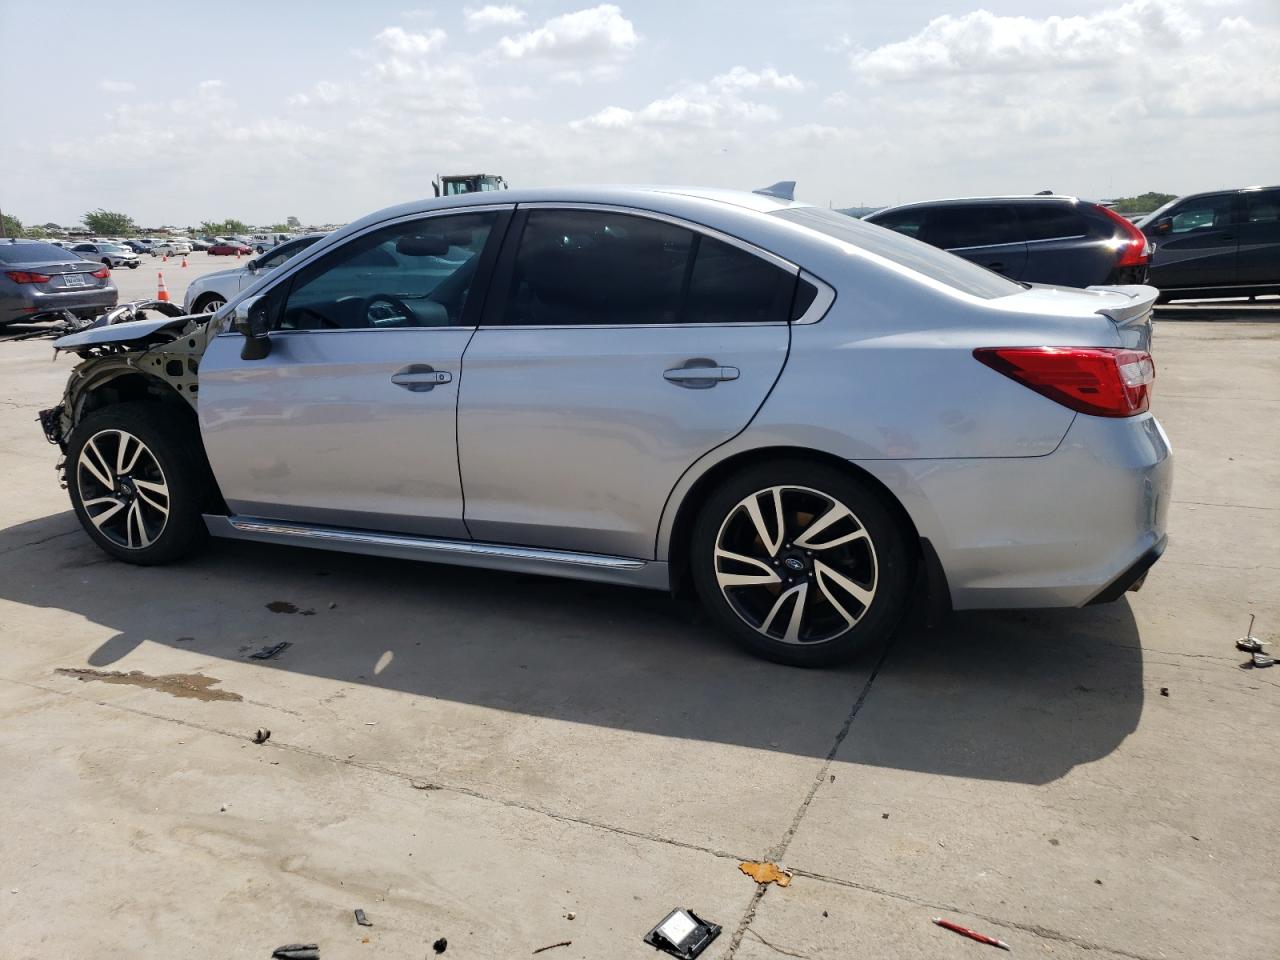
{"points": [[1035, 929], [36, 543], [777, 949]]}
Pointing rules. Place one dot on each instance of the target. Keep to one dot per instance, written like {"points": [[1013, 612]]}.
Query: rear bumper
{"points": [[81, 302], [1062, 530]]}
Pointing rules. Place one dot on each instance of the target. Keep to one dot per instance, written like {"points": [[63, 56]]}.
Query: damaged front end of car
{"points": [[146, 351]]}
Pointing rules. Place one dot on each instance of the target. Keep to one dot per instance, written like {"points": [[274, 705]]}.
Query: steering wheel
{"points": [[395, 313]]}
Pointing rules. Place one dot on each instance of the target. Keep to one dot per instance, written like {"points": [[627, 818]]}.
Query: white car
{"points": [[172, 247], [207, 293]]}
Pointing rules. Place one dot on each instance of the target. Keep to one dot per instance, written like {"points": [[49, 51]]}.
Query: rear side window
{"points": [[973, 225], [928, 261], [1050, 221], [581, 267], [32, 253], [1262, 206]]}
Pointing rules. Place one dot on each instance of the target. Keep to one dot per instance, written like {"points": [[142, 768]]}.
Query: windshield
{"points": [[286, 250], [913, 254]]}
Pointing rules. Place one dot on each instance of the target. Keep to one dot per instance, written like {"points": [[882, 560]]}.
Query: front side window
{"points": [[580, 267], [412, 274], [1203, 213], [284, 252], [973, 225]]}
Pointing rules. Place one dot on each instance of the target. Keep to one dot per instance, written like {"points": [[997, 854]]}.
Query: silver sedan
{"points": [[816, 422]]}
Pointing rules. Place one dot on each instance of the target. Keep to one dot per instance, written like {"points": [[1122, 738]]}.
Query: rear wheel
{"points": [[138, 482], [801, 562]]}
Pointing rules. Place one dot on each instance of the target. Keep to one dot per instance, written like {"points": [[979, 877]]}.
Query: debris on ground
{"points": [[552, 946], [571, 915], [1260, 660], [683, 934], [271, 651], [297, 951], [1164, 691], [262, 736], [362, 919], [440, 946], [423, 785], [971, 934], [186, 685], [1249, 643], [763, 872]]}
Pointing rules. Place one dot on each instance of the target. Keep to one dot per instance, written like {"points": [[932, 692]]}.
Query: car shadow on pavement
{"points": [[1020, 696]]}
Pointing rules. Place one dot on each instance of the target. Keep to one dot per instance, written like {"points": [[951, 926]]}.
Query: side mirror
{"points": [[250, 319], [1163, 225]]}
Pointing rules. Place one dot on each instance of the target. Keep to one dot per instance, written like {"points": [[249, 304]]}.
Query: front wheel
{"points": [[209, 303], [133, 266], [801, 562], [138, 482]]}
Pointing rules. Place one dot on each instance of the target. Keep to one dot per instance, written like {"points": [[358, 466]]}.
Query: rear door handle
{"points": [[700, 373], [420, 377]]}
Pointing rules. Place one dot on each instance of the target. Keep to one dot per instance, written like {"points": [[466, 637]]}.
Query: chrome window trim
{"points": [[744, 245], [822, 302], [1074, 236]]}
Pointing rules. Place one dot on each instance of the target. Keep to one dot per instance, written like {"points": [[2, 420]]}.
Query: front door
{"points": [[615, 351], [1198, 247], [1258, 259], [350, 420]]}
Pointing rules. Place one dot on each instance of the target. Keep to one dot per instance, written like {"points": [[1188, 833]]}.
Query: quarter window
{"points": [[579, 267], [1050, 221], [910, 223], [413, 274], [1262, 206]]}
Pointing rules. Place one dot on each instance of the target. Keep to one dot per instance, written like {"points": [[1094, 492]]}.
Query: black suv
{"points": [[1037, 239], [1222, 244]]}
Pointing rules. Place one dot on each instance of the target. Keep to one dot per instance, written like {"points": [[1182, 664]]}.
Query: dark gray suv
{"points": [[1220, 244], [1036, 239]]}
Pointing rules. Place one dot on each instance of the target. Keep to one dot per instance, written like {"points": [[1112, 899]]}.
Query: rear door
{"points": [[986, 233], [350, 420], [616, 349], [1258, 254], [1060, 249], [1198, 246]]}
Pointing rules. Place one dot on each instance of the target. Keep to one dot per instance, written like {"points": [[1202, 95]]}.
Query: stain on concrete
{"points": [[284, 606], [192, 686]]}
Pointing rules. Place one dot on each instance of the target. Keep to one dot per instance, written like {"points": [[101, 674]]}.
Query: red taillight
{"points": [[1102, 381], [25, 276], [101, 274], [1133, 250]]}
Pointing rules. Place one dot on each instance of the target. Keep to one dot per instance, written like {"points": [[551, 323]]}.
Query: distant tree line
{"points": [[1143, 202]]}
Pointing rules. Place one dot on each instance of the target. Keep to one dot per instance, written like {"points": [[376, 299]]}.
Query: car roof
{"points": [[1214, 193], [1006, 198]]}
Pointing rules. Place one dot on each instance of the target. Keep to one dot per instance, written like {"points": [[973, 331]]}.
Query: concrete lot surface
{"points": [[478, 756]]}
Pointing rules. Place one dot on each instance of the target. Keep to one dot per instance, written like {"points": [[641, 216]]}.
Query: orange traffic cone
{"points": [[162, 293], [184, 263], [165, 258], [237, 253]]}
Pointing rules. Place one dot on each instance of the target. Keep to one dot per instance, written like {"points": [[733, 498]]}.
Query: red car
{"points": [[228, 249]]}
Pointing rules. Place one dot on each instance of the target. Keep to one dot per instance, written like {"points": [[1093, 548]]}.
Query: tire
{"points": [[106, 262], [133, 266], [208, 303], [164, 468], [864, 544]]}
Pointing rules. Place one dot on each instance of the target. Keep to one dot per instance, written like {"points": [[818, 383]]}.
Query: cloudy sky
{"points": [[329, 110]]}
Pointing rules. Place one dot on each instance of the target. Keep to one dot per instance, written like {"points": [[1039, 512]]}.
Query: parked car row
{"points": [[211, 291], [38, 278], [1220, 244]]}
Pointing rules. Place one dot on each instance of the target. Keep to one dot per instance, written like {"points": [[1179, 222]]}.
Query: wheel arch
{"points": [[123, 383], [675, 536]]}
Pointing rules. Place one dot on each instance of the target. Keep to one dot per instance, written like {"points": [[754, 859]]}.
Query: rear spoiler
{"points": [[1141, 300]]}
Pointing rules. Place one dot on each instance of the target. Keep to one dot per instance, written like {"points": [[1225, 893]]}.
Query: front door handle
{"points": [[699, 373], [420, 377]]}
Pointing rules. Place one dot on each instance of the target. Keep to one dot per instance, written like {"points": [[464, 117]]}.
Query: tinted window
{"points": [[1262, 206], [33, 253], [286, 250], [1203, 213], [414, 274], [576, 267], [730, 285], [972, 225], [909, 222], [1050, 221], [924, 259]]}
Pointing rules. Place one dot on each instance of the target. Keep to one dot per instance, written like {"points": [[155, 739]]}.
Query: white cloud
{"points": [[740, 78], [116, 86], [597, 32], [492, 15], [401, 41]]}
